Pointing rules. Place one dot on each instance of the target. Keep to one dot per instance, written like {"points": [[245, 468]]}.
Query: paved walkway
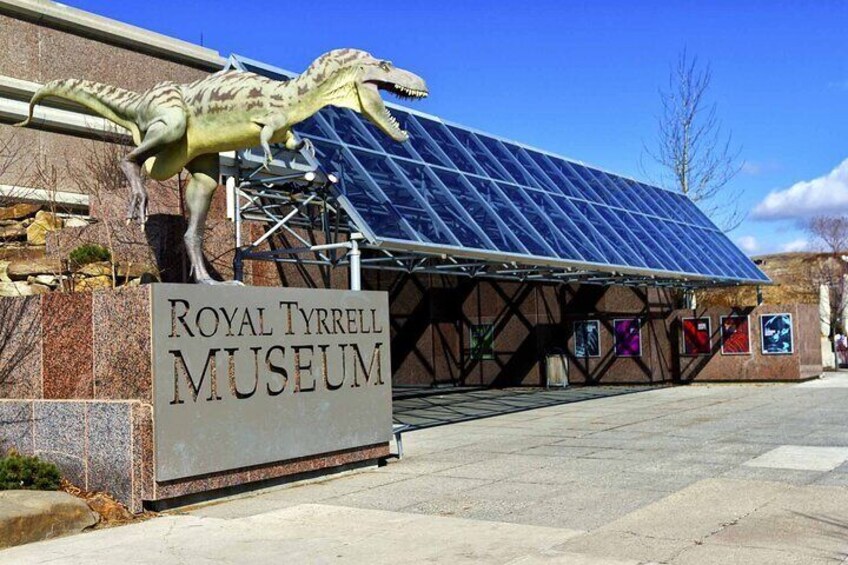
{"points": [[724, 474]]}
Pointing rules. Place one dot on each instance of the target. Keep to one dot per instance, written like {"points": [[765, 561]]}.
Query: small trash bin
{"points": [[556, 370]]}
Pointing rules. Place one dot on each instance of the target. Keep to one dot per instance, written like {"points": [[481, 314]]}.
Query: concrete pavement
{"points": [[719, 474]]}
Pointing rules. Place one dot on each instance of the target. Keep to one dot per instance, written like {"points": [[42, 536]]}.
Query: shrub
{"points": [[89, 253], [26, 472]]}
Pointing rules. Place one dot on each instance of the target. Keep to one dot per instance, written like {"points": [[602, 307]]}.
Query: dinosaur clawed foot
{"points": [[308, 145]]}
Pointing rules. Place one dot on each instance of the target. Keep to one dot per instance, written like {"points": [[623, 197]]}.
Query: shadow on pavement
{"points": [[425, 408]]}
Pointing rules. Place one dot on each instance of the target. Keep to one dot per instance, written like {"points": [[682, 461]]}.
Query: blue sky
{"points": [[582, 78]]}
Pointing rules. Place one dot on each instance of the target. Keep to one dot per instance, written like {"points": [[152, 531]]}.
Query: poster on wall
{"points": [[587, 338], [628, 337], [482, 341], [696, 336], [777, 334], [735, 335]]}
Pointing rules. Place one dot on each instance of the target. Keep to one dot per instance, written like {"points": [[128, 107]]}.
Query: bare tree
{"points": [[830, 267], [694, 155]]}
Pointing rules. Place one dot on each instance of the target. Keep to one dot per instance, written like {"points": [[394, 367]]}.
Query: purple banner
{"points": [[628, 337]]}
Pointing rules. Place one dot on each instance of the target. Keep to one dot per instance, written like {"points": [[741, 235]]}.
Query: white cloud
{"points": [[827, 194], [795, 245], [748, 244], [757, 168]]}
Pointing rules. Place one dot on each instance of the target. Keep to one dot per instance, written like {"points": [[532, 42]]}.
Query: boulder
{"points": [[135, 270], [21, 269], [36, 233], [16, 288], [15, 231], [93, 283], [39, 288], [4, 268], [46, 280], [98, 269], [29, 515], [18, 211], [76, 223]]}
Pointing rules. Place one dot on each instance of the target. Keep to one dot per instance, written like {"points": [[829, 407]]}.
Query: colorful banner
{"points": [[587, 338], [735, 335], [776, 334], [628, 337], [696, 336]]}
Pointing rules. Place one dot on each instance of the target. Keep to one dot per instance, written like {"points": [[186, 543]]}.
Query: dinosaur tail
{"points": [[113, 103]]}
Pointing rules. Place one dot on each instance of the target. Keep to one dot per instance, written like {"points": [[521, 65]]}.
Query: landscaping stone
{"points": [[27, 516], [98, 269], [16, 288], [36, 233], [15, 231], [18, 211], [93, 283], [22, 269]]}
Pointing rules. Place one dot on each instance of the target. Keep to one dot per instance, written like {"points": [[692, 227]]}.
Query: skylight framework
{"points": [[457, 201]]}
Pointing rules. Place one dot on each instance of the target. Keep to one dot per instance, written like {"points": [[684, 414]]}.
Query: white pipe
{"points": [[355, 269]]}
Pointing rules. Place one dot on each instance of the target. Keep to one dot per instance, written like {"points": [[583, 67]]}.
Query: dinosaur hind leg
{"points": [[169, 128], [202, 182]]}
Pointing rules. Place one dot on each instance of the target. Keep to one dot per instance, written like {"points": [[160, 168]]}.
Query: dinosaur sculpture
{"points": [[185, 126]]}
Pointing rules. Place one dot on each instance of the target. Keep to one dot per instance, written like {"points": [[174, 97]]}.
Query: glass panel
{"points": [[423, 145], [445, 141], [405, 200], [698, 249], [380, 214], [562, 184], [479, 212], [651, 240], [470, 143], [568, 224], [639, 247], [532, 169], [610, 242], [587, 191], [551, 234], [638, 203], [673, 246], [344, 123], [519, 225], [507, 161], [444, 205]]}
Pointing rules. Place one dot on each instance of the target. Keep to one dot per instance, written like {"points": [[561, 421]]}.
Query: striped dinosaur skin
{"points": [[176, 126]]}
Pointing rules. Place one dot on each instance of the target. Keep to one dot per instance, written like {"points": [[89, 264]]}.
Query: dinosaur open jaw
{"points": [[375, 109]]}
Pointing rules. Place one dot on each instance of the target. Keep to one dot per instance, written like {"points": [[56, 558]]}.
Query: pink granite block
{"points": [[20, 347], [122, 364], [67, 369]]}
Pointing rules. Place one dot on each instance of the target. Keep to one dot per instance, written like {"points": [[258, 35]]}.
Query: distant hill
{"points": [[794, 275]]}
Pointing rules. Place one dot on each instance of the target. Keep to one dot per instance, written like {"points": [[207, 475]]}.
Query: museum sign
{"points": [[250, 376]]}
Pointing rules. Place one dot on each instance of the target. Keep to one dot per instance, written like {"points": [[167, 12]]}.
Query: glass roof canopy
{"points": [[458, 193]]}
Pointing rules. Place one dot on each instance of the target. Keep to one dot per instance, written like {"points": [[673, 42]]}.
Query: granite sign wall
{"points": [[247, 376]]}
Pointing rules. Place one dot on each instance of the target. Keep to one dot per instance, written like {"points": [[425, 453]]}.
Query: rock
{"points": [[18, 211], [97, 269], [134, 282], [30, 515], [22, 268], [47, 280], [16, 288], [44, 222], [39, 288], [93, 283], [4, 275], [108, 508], [15, 231], [76, 223], [135, 270]]}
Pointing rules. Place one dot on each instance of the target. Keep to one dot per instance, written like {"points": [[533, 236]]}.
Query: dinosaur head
{"points": [[356, 79]]}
